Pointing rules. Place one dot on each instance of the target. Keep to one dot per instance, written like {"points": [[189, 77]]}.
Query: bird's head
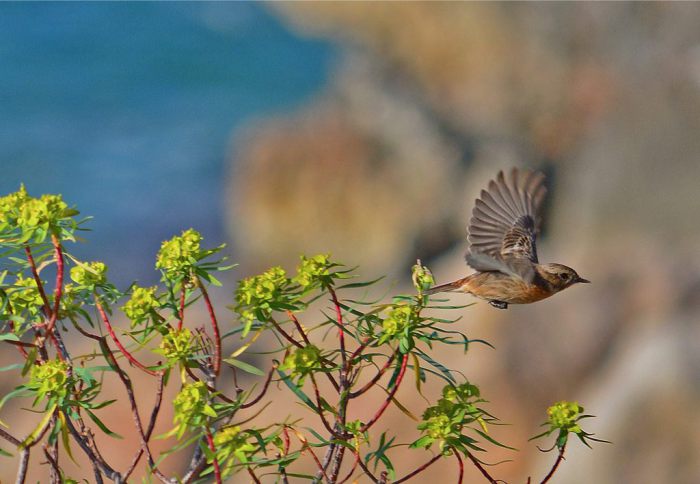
{"points": [[560, 276]]}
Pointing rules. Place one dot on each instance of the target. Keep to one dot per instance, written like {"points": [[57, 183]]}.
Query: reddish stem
{"points": [[352, 470], [360, 348], [320, 408], [111, 332], [375, 379], [37, 279], [560, 458], [214, 327], [392, 392], [483, 471], [252, 475], [58, 290], [181, 314], [419, 470], [263, 391], [461, 466], [341, 333], [217, 470], [299, 328]]}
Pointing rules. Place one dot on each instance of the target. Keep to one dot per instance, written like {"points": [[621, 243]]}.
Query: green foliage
{"points": [[350, 345], [24, 218], [564, 418], [177, 346], [89, 275], [315, 272], [192, 409], [142, 305], [50, 381], [303, 361]]}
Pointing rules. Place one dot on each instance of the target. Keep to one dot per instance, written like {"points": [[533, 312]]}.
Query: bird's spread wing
{"points": [[504, 224]]}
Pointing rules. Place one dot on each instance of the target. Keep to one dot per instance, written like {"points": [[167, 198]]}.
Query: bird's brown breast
{"points": [[496, 286]]}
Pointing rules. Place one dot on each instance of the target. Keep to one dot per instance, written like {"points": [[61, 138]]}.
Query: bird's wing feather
{"points": [[504, 224]]}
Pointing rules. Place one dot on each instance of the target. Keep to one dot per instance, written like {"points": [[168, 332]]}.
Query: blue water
{"points": [[128, 110]]}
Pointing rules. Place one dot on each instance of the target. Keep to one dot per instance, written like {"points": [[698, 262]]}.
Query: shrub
{"points": [[373, 345]]}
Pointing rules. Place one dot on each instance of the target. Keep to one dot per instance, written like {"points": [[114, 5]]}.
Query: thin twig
{"points": [[181, 312], [419, 470], [23, 463], [214, 328], [560, 458], [368, 472], [55, 474], [483, 471], [374, 379], [134, 408], [151, 425], [58, 290], [392, 392], [215, 461], [111, 332], [264, 389], [252, 475], [461, 466], [293, 317]]}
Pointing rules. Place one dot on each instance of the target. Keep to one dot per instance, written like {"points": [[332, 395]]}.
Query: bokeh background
{"points": [[367, 130]]}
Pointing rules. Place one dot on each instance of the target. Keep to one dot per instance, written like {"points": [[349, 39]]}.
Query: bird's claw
{"points": [[499, 304]]}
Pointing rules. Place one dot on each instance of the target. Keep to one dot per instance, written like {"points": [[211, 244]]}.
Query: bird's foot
{"points": [[499, 304]]}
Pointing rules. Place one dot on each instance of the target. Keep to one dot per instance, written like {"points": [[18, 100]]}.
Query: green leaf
{"points": [[8, 337], [102, 426], [360, 284], [492, 440], [423, 442], [245, 366], [444, 370], [297, 391]]}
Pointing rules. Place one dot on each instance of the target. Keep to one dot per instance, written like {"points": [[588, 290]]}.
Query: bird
{"points": [[502, 232]]}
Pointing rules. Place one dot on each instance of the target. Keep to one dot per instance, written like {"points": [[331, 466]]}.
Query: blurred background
{"points": [[367, 130]]}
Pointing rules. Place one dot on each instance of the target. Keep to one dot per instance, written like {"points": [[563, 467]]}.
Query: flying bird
{"points": [[502, 233]]}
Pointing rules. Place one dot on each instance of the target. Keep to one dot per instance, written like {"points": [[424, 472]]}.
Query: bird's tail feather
{"points": [[450, 286]]}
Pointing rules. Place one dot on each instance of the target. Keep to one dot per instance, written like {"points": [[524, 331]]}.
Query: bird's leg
{"points": [[499, 304]]}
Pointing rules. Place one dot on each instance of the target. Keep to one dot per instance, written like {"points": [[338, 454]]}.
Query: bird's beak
{"points": [[581, 279]]}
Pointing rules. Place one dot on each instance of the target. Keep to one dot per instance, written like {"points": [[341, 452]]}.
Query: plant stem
{"points": [[560, 458]]}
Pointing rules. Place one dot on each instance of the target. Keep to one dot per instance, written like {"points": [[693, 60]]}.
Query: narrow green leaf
{"points": [[245, 366], [102, 426], [297, 391]]}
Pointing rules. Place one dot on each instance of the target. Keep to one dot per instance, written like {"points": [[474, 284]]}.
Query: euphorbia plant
{"points": [[354, 346]]}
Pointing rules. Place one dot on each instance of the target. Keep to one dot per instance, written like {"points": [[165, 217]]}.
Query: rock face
{"points": [[429, 102]]}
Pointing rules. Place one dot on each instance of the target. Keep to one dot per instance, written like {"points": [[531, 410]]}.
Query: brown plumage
{"points": [[502, 235]]}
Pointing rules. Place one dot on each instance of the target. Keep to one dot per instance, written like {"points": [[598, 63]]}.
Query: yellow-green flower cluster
{"points": [[141, 305], [564, 415], [20, 211], [11, 205], [176, 345], [231, 444], [314, 271], [41, 212], [460, 393], [443, 422], [50, 380], [422, 277], [192, 408], [303, 361], [178, 255], [89, 274], [255, 295], [400, 318], [24, 296]]}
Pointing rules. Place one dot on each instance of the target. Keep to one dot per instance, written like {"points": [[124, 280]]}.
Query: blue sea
{"points": [[130, 110]]}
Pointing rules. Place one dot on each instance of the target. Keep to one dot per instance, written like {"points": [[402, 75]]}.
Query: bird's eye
{"points": [[564, 276]]}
